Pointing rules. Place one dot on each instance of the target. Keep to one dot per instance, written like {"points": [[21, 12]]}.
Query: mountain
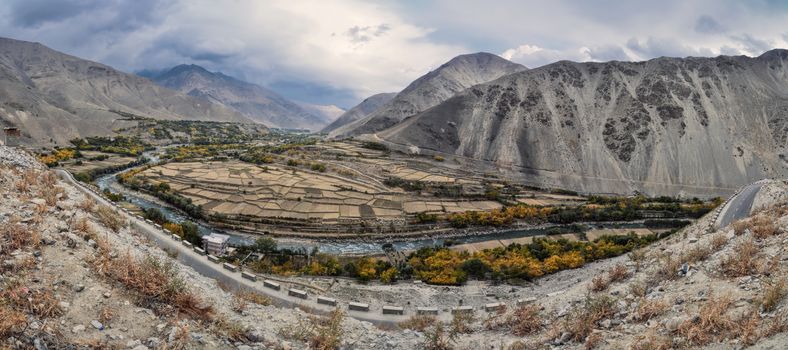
{"points": [[369, 105], [53, 97], [693, 126], [253, 101], [328, 113], [431, 89]]}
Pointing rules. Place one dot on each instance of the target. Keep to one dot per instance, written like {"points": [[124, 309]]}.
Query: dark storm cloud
{"points": [[302, 90], [33, 13], [708, 25]]}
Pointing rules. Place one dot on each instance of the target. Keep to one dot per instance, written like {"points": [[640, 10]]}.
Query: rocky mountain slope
{"points": [[253, 101], [54, 97], [361, 110], [329, 113], [431, 89], [694, 126]]}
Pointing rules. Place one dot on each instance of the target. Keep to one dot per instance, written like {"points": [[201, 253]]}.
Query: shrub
{"points": [[109, 218], [711, 323], [11, 321], [584, 318], [321, 333], [648, 309], [618, 273], [743, 261], [461, 322], [419, 322], [525, 320], [437, 338], [772, 295], [599, 283], [718, 241]]}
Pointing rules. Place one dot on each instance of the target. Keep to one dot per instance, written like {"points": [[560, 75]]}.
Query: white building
{"points": [[215, 244]]}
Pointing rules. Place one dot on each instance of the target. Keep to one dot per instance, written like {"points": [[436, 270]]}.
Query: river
{"points": [[342, 247]]}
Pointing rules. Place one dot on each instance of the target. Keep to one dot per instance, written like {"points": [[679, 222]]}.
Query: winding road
{"points": [[205, 267], [739, 205]]}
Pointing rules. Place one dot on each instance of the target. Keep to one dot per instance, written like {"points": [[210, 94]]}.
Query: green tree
{"points": [[265, 245], [190, 233]]}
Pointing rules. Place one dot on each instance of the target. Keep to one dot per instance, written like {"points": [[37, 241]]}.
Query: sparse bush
{"points": [[419, 322], [525, 320], [231, 330], [461, 322], [437, 338], [648, 309], [599, 283], [718, 241], [652, 341], [584, 318], [695, 254], [109, 218], [106, 314], [763, 226], [740, 226], [743, 261], [11, 321], [87, 205], [638, 257], [773, 294], [711, 324], [618, 273]]}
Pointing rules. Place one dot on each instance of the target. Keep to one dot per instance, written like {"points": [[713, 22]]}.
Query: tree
{"points": [[191, 233], [265, 245], [474, 267], [155, 215]]}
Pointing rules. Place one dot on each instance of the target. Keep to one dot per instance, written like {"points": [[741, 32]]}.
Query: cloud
{"points": [[708, 25], [346, 50]]}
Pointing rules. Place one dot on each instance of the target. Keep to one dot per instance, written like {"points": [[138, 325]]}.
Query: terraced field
{"points": [[282, 195]]}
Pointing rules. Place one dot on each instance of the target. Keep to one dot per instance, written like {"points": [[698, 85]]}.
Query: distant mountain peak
{"points": [[255, 102]]}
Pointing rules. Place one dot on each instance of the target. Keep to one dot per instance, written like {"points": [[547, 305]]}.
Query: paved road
{"points": [[739, 206], [209, 269]]}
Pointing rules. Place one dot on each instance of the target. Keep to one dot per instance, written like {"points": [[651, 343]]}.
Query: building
{"points": [[11, 136], [215, 244]]}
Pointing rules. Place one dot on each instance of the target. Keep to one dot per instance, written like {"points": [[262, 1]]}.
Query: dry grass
{"points": [[711, 324], [718, 241], [39, 302], [652, 341], [11, 321], [438, 338], [52, 195], [593, 340], [320, 333], [231, 330], [618, 273], [774, 292], [106, 314], [84, 226], [744, 260], [638, 289], [763, 226], [87, 205], [584, 318], [599, 283], [648, 309], [16, 236], [695, 254], [109, 218], [157, 282], [740, 226], [525, 320], [638, 257], [419, 322], [667, 268], [461, 322]]}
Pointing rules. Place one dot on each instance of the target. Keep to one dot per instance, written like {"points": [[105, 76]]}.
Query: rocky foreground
{"points": [[76, 276]]}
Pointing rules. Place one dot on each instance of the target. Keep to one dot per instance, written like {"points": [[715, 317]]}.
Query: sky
{"points": [[342, 51]]}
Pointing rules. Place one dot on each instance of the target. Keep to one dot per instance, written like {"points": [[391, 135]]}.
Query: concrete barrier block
{"points": [[327, 301], [494, 307], [393, 310], [271, 284], [528, 300], [157, 226], [199, 250], [212, 258], [297, 293], [462, 309], [230, 267], [148, 221], [248, 275], [187, 244], [176, 237], [427, 310], [358, 306]]}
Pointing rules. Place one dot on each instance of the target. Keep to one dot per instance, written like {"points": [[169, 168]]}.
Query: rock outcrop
{"points": [[431, 89], [692, 126]]}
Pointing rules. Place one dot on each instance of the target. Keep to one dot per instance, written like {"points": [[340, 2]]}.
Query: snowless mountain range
{"points": [[690, 126]]}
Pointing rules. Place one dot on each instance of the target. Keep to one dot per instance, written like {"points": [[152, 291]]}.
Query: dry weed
{"points": [[525, 320], [584, 318], [599, 283], [718, 241], [744, 260], [109, 218], [774, 292], [648, 309], [618, 273], [419, 322], [11, 321], [710, 324]]}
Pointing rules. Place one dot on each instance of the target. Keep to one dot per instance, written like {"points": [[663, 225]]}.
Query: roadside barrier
{"points": [[327, 301], [297, 293], [358, 306]]}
